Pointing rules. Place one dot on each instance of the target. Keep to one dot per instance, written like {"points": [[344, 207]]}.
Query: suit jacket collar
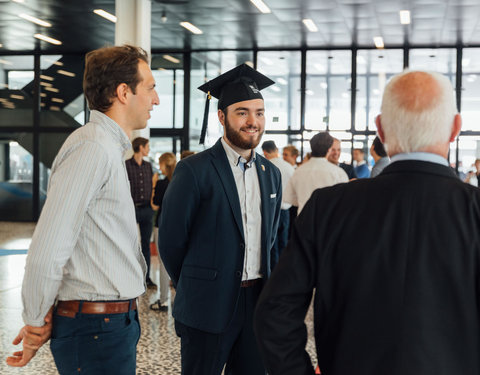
{"points": [[418, 166]]}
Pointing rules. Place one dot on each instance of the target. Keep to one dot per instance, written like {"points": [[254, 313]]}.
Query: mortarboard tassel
{"points": [[205, 119]]}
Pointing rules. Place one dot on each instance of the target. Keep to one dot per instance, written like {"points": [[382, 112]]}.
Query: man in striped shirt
{"points": [[85, 254]]}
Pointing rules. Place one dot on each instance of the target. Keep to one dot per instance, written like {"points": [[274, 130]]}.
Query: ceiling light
{"points": [[163, 18], [47, 78], [19, 1], [52, 89], [310, 25], [5, 62], [376, 91], [192, 28], [65, 73], [345, 95], [35, 20], [43, 95], [378, 40], [47, 39], [465, 62], [42, 104], [471, 78], [106, 15], [323, 85], [1, 45], [171, 58], [54, 108], [261, 6], [319, 67], [14, 96], [46, 84], [4, 85], [275, 88], [309, 92], [282, 81], [361, 59], [58, 100], [405, 17]]}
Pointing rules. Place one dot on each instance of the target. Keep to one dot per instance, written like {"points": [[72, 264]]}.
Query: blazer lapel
{"points": [[224, 171], [265, 192]]}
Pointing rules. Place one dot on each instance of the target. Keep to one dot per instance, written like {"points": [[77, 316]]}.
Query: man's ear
{"points": [[122, 92], [221, 117], [457, 126], [378, 122]]}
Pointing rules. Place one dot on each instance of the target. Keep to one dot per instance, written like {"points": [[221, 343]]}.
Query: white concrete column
{"points": [[133, 26]]}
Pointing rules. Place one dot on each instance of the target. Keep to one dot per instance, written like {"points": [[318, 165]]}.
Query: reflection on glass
{"points": [[169, 86], [61, 93], [282, 100], [160, 145], [16, 174], [327, 99], [374, 69]]}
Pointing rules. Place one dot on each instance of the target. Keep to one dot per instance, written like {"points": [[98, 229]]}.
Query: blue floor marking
{"points": [[12, 252]]}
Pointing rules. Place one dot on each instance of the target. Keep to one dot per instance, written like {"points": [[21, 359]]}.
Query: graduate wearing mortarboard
{"points": [[218, 224]]}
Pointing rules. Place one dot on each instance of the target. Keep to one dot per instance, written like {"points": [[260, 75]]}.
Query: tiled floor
{"points": [[158, 349]]}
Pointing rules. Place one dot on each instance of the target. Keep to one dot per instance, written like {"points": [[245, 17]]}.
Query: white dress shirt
{"points": [[249, 195], [314, 174], [85, 245], [286, 171]]}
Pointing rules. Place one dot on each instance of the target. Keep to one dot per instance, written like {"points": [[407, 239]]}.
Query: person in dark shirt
{"points": [[140, 174]]}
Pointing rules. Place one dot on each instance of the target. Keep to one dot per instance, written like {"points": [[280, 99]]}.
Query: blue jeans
{"points": [[282, 237], [92, 344]]}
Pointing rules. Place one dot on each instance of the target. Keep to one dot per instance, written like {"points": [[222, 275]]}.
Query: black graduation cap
{"points": [[236, 85]]}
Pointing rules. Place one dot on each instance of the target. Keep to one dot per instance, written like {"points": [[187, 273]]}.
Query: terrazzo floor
{"points": [[158, 349]]}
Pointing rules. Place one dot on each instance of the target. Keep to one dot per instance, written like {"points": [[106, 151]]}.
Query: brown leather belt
{"points": [[249, 283], [71, 308]]}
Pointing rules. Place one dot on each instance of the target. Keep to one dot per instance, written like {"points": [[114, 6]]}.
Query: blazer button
{"points": [[238, 273], [242, 246]]}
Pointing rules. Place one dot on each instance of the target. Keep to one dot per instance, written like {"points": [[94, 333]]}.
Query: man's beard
{"points": [[235, 137]]}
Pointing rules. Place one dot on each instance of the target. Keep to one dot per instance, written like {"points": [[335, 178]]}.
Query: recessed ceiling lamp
{"points": [[35, 20], [47, 39], [275, 88], [46, 78], [46, 84], [171, 58], [57, 100], [19, 97], [192, 28], [309, 92], [282, 81], [310, 25], [361, 59], [405, 17], [43, 95], [1, 45], [5, 62], [261, 6], [19, 1], [465, 62], [52, 89], [65, 73], [106, 15], [54, 108], [324, 85], [378, 40], [266, 60]]}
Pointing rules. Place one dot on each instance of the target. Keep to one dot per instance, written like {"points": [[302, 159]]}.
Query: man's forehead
{"points": [[254, 104]]}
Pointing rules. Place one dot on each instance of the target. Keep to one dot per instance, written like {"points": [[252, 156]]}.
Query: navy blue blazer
{"points": [[201, 238]]}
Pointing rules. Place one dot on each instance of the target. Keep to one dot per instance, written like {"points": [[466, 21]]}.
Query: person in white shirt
{"points": [[270, 151], [315, 174], [85, 255]]}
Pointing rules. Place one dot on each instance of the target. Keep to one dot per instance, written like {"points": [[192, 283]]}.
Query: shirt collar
{"points": [[112, 127], [422, 156], [235, 158]]}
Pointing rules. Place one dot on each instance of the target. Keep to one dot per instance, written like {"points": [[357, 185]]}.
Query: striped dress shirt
{"points": [[85, 245]]}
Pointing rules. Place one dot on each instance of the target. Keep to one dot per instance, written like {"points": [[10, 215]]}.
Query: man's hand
{"points": [[33, 338]]}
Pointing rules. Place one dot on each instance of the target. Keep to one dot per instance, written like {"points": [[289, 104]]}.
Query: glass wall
{"points": [[328, 90]]}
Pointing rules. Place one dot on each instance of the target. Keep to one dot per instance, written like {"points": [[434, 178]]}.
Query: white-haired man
{"points": [[394, 261]]}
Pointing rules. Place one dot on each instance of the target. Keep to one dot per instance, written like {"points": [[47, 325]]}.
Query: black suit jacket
{"points": [[395, 265], [201, 237]]}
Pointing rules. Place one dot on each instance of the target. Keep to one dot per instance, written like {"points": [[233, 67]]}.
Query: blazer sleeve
{"points": [[179, 208], [279, 320]]}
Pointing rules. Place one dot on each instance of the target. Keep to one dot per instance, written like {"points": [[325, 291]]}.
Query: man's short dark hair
{"points": [[320, 144], [108, 67], [269, 147], [137, 142], [379, 148]]}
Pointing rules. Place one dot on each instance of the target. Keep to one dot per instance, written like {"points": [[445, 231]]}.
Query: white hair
{"points": [[407, 130]]}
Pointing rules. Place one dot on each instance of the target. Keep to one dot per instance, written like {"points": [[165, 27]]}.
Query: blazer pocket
{"points": [[199, 273]]}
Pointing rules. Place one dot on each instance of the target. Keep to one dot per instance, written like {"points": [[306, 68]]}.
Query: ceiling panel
{"points": [[233, 24]]}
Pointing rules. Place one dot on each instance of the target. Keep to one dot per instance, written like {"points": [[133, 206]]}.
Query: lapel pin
{"points": [[263, 168]]}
